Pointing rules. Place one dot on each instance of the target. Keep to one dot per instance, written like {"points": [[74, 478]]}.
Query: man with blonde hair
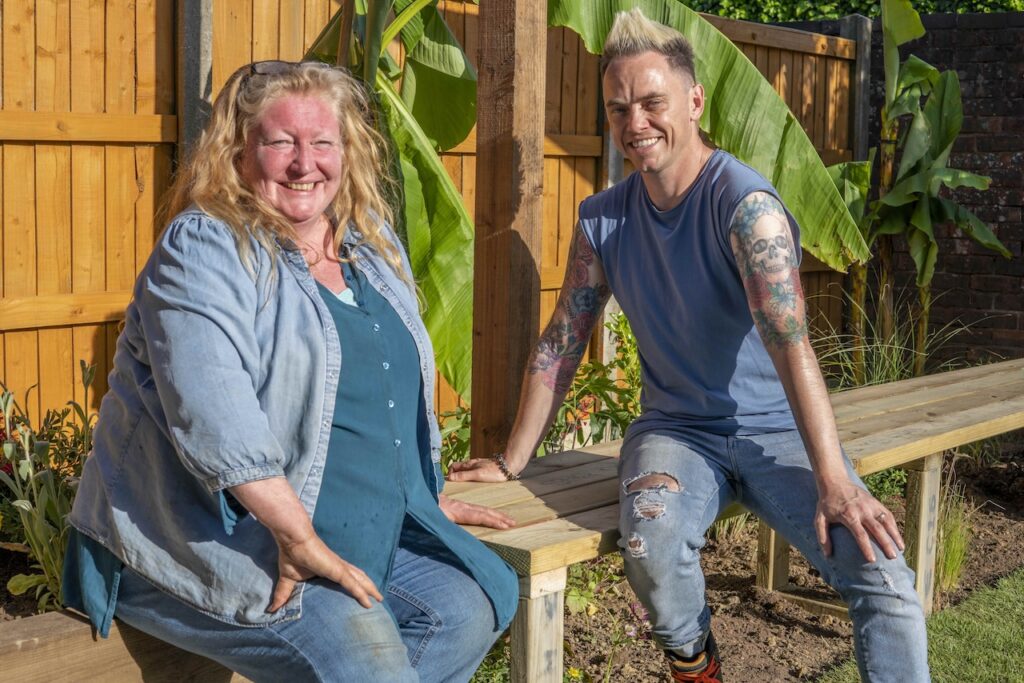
{"points": [[703, 258]]}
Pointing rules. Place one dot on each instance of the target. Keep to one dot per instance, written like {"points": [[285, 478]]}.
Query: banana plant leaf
{"points": [[900, 24], [853, 180], [440, 237], [744, 116], [439, 83]]}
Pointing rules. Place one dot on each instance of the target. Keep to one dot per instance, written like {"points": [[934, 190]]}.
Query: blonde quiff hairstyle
{"points": [[633, 33], [210, 177]]}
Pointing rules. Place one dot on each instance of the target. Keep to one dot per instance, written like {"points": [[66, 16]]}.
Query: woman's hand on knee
{"points": [[311, 557]]}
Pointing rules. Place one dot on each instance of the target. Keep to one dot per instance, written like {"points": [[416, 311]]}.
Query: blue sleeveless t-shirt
{"points": [[674, 275]]}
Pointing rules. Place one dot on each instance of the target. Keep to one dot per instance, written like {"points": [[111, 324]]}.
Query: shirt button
{"points": [[327, 423], [398, 442], [386, 365], [376, 327], [391, 404]]}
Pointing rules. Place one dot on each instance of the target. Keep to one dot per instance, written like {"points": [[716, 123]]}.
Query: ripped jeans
{"points": [[663, 527]]}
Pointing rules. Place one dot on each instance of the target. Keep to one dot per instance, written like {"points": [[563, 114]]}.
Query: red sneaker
{"points": [[704, 668]]}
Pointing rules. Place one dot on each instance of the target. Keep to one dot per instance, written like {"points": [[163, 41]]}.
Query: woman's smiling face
{"points": [[293, 158]]}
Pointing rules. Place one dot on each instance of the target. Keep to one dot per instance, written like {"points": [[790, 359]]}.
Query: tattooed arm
{"points": [[766, 256], [552, 365]]}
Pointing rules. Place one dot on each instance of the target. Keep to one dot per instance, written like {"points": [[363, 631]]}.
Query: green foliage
{"points": [[954, 533], [604, 399], [887, 484], [41, 468], [981, 635], [587, 581], [455, 429], [767, 11]]}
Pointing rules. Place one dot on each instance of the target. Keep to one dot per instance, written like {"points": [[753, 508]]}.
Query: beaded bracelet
{"points": [[499, 460]]}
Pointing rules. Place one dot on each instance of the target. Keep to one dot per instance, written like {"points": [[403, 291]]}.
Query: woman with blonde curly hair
{"points": [[264, 488]]}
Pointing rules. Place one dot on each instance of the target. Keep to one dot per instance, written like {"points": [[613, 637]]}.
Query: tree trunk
{"points": [[858, 336], [924, 304], [885, 326]]}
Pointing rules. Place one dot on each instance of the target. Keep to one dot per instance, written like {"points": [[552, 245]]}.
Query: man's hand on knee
{"points": [[861, 513]]}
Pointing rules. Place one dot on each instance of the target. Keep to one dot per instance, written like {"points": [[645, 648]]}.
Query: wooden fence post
{"points": [[857, 27], [509, 211]]}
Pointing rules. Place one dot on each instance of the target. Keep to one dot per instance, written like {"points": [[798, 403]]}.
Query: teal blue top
{"points": [[376, 475]]}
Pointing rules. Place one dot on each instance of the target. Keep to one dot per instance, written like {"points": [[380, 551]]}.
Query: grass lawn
{"points": [[981, 639]]}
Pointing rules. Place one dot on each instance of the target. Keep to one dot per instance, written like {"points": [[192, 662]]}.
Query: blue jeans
{"points": [[769, 474], [435, 624]]}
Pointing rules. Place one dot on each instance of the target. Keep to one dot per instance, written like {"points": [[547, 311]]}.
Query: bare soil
{"points": [[762, 636]]}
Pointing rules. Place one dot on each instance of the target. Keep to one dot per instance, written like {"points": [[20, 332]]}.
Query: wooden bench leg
{"points": [[538, 629], [772, 559], [923, 480]]}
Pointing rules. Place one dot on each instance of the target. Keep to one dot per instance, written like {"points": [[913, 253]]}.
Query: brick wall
{"points": [[972, 285]]}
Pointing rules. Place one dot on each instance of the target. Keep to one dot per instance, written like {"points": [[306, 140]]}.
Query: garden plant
{"points": [[40, 467]]}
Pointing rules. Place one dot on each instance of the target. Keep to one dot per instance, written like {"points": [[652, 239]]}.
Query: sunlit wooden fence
{"points": [[88, 132]]}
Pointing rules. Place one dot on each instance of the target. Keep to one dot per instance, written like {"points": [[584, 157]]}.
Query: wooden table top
{"points": [[566, 504]]}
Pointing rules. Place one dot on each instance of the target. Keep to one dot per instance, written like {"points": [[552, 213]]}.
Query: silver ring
{"points": [[880, 516]]}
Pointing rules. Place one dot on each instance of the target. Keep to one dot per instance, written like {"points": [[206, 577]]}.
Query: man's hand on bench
{"points": [[862, 514], [469, 513]]}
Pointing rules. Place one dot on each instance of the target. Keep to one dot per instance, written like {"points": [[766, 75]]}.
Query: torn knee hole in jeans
{"points": [[887, 581], [650, 487], [637, 546]]}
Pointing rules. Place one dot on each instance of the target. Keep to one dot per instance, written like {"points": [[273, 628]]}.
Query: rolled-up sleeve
{"points": [[197, 308]]}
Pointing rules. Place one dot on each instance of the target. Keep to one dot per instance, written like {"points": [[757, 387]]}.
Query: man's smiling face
{"points": [[653, 110]]}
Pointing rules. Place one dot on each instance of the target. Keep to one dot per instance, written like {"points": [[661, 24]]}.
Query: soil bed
{"points": [[762, 636]]}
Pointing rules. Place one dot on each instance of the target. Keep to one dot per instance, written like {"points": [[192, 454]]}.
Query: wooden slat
{"points": [[232, 39], [19, 54], [559, 542], [120, 57], [264, 30], [919, 384], [78, 127], [88, 57], [20, 261], [53, 56], [290, 27], [53, 209], [59, 646], [59, 310], [784, 38], [554, 145]]}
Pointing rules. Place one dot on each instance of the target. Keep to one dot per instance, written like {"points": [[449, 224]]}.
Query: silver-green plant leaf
{"points": [[744, 116]]}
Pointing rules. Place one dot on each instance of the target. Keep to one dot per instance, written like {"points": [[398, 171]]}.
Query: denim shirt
{"points": [[222, 375]]}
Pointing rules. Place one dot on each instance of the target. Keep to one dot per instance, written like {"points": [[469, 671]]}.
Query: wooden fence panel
{"points": [[86, 131]]}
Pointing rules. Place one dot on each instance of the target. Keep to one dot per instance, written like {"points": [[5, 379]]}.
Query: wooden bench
{"points": [[566, 506]]}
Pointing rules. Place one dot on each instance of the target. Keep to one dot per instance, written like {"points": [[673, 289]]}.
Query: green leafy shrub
{"points": [[766, 11], [454, 426], [605, 397], [41, 468]]}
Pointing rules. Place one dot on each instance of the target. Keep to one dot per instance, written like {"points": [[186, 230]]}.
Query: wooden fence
{"points": [[88, 132]]}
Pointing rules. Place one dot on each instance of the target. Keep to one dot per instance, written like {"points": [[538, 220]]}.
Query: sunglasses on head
{"points": [[273, 67]]}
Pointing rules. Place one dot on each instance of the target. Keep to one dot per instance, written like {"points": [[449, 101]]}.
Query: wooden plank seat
{"points": [[566, 506]]}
